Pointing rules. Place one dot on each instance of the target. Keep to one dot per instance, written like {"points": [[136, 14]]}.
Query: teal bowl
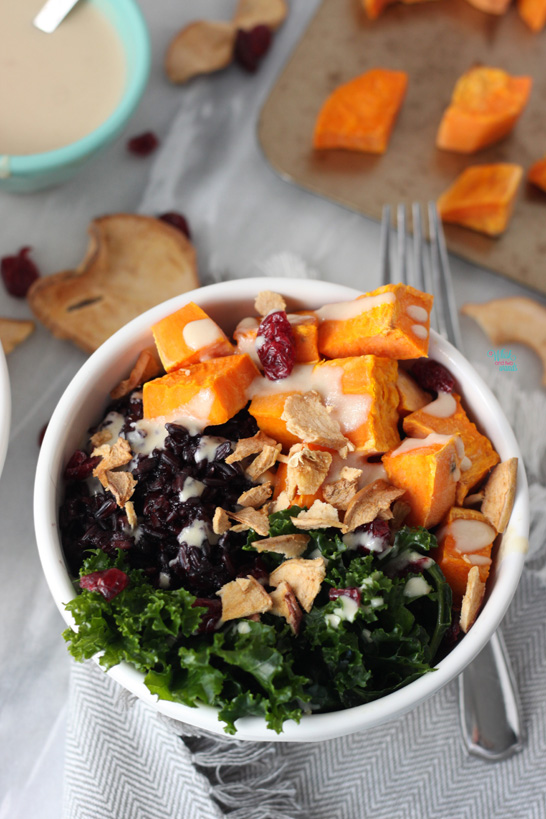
{"points": [[23, 174]]}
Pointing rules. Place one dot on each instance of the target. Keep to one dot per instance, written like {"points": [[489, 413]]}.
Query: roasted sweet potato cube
{"points": [[267, 410], [360, 389], [533, 13], [412, 397], [392, 321], [213, 390], [465, 539], [477, 448], [189, 336], [368, 415], [428, 471]]}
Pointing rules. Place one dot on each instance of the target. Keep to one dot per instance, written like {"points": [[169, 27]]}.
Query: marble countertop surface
{"points": [[209, 166]]}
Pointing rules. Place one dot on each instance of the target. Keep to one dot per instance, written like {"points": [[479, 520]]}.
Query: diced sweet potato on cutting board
{"points": [[428, 473], [484, 108], [360, 115], [477, 448], [189, 336], [394, 323], [214, 390], [482, 197], [533, 13], [462, 532], [537, 172]]}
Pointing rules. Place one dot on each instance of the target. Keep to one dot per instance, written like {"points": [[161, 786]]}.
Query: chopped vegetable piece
{"points": [[485, 106], [537, 172], [189, 336], [394, 322], [482, 198], [360, 114], [533, 12], [213, 390]]}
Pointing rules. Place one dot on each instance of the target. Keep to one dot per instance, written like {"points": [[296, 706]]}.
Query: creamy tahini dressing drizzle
{"points": [[443, 407], [469, 535], [416, 587], [419, 331], [415, 443], [56, 88], [351, 411], [344, 310], [192, 489], [206, 450], [201, 333], [417, 313]]}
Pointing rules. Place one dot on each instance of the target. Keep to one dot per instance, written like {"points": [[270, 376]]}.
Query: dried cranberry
{"points": [[19, 272], [251, 46], [176, 220], [276, 345], [109, 582], [433, 376], [143, 144], [379, 534], [353, 593], [211, 616], [80, 466]]}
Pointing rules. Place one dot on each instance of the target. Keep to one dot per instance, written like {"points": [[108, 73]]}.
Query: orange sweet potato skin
{"points": [[427, 474], [360, 114], [171, 346], [384, 330], [533, 13], [486, 104], [482, 198], [375, 378], [537, 172], [478, 449], [452, 562], [216, 387]]}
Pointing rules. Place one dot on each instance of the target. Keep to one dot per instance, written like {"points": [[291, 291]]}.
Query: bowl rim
{"points": [[5, 408], [312, 727], [137, 77]]}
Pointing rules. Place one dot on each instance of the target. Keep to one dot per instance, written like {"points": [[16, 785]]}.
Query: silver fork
{"points": [[490, 712]]}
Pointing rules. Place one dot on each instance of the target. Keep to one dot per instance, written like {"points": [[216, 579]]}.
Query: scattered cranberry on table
{"points": [[143, 144], [251, 46], [176, 220], [19, 272]]}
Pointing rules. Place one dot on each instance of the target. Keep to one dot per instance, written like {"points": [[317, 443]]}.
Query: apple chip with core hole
{"points": [[132, 263]]}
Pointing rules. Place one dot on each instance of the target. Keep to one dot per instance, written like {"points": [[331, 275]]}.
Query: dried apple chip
{"points": [[132, 263]]}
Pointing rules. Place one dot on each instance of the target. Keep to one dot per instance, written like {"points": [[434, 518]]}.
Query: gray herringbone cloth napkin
{"points": [[124, 762]]}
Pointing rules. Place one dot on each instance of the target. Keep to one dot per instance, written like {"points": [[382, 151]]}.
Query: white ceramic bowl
{"points": [[5, 408], [82, 405]]}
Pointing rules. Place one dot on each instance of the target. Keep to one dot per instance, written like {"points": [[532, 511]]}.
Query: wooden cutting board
{"points": [[435, 43]]}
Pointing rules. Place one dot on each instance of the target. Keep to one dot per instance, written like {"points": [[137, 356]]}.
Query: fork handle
{"points": [[489, 704]]}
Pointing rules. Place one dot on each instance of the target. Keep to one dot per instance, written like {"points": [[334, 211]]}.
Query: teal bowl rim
{"points": [[25, 164]]}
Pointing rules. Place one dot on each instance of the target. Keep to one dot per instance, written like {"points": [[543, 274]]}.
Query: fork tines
{"points": [[427, 268]]}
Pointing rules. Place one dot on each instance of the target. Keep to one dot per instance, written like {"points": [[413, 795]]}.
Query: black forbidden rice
{"points": [[91, 519]]}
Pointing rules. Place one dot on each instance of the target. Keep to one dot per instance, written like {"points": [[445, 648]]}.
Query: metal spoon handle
{"points": [[53, 13], [489, 704]]}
